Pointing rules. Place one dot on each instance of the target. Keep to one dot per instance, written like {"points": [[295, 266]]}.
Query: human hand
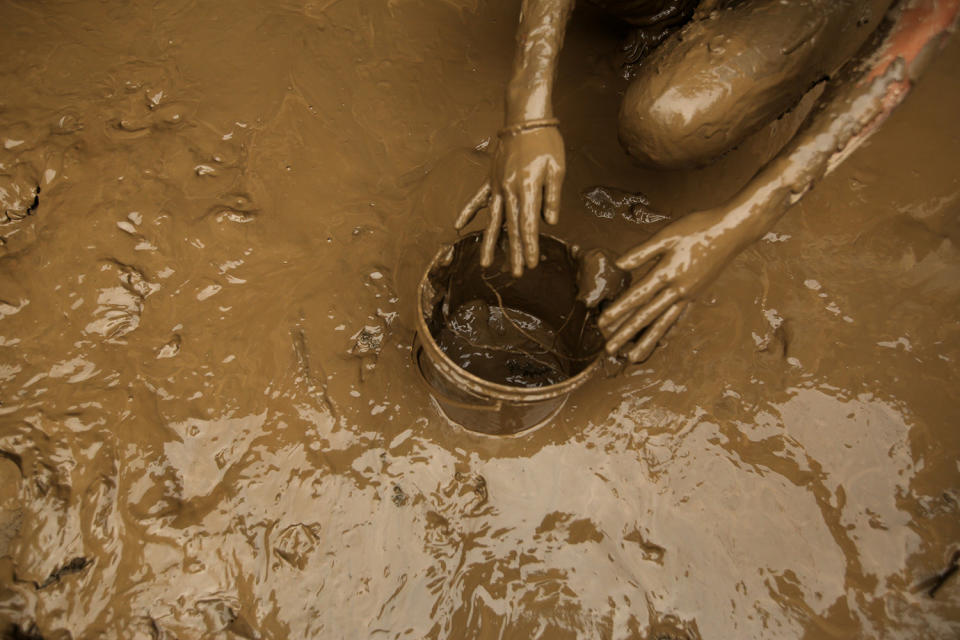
{"points": [[692, 251], [525, 182]]}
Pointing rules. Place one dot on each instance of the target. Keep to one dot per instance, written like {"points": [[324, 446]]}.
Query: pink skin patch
{"points": [[917, 25]]}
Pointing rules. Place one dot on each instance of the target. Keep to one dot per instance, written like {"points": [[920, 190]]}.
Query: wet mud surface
{"points": [[215, 222]]}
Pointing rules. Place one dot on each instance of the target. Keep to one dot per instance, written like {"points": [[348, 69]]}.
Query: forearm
{"points": [[847, 121], [539, 40], [816, 151]]}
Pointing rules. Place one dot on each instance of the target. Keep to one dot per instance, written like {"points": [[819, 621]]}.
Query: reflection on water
{"points": [[209, 424]]}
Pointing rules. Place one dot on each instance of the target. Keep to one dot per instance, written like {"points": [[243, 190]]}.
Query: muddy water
{"points": [[503, 345], [209, 425]]}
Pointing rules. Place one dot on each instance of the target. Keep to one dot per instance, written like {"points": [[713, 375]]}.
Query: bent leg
{"points": [[724, 77]]}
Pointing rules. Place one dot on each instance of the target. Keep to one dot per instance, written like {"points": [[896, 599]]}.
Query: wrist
{"points": [[511, 130], [736, 229]]}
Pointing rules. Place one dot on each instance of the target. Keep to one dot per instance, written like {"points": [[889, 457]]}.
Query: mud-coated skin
{"points": [[528, 165], [691, 252], [723, 77], [702, 93]]}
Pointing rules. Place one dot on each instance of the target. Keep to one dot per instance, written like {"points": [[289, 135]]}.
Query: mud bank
{"points": [[216, 221]]}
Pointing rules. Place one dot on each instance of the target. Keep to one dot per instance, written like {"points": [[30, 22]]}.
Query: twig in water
{"points": [[303, 359], [548, 348], [932, 584]]}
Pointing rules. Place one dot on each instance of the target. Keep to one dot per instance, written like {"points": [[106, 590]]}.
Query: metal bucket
{"points": [[548, 293]]}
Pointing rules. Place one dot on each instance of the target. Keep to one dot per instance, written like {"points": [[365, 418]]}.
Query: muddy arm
{"points": [[529, 163], [529, 93], [691, 252], [846, 122]]}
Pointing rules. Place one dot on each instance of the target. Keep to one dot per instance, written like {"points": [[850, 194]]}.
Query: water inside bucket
{"points": [[503, 345], [526, 332]]}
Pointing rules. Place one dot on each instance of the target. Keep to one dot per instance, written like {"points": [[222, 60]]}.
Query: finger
{"points": [[657, 330], [492, 231], [639, 255], [476, 203], [513, 233], [635, 296], [551, 196], [529, 225], [447, 259], [609, 329], [641, 318]]}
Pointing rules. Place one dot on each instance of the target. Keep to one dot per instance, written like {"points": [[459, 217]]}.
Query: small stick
{"points": [[303, 359], [933, 583], [548, 348]]}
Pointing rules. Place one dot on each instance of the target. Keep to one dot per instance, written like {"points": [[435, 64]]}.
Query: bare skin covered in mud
{"points": [[209, 426], [736, 68], [727, 75]]}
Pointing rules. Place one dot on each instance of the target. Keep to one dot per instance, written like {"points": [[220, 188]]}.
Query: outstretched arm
{"points": [[528, 164], [691, 252]]}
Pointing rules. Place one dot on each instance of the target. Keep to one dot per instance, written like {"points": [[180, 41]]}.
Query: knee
{"points": [[694, 100], [720, 80], [669, 125]]}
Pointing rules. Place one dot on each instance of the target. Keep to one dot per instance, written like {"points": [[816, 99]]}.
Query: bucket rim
{"points": [[474, 383]]}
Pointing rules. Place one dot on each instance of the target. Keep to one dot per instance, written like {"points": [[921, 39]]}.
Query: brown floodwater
{"points": [[210, 427]]}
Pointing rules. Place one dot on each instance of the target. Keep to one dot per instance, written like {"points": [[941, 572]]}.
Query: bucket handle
{"points": [[415, 351]]}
